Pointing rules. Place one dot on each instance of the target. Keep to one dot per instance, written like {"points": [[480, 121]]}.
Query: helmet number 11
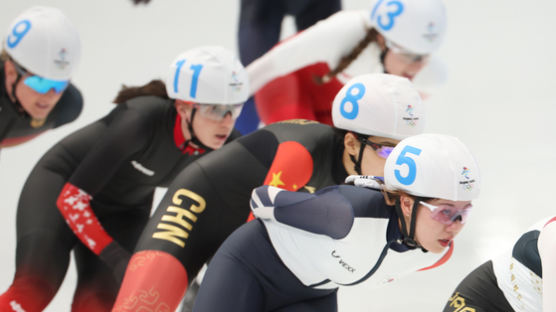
{"points": [[411, 166], [196, 68]]}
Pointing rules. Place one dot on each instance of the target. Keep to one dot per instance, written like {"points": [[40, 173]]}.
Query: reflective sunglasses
{"points": [[218, 112], [407, 56], [381, 150], [446, 214], [40, 84]]}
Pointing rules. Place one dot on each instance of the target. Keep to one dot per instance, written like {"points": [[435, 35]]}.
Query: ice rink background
{"points": [[499, 99]]}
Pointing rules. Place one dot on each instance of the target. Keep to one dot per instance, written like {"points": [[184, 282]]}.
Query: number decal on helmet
{"points": [[18, 32], [196, 68], [352, 98], [411, 166], [390, 15]]}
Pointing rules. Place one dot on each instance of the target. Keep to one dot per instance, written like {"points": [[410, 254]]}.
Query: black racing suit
{"points": [[118, 160], [210, 199], [16, 126]]}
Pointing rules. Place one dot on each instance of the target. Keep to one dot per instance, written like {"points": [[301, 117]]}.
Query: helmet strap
{"points": [[382, 57], [408, 238], [19, 108], [201, 148], [357, 162]]}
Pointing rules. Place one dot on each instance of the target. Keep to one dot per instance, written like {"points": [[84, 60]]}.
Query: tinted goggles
{"points": [[381, 150], [218, 112], [407, 56], [447, 214], [40, 84]]}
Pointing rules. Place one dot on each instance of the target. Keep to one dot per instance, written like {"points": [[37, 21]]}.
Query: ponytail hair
{"points": [[350, 57], [154, 87]]}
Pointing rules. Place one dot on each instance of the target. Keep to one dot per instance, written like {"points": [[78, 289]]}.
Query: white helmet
{"points": [[44, 42], [435, 166], [208, 75], [379, 105], [415, 25]]}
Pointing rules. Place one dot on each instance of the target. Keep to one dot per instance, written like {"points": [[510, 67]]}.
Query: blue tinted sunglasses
{"points": [[40, 84]]}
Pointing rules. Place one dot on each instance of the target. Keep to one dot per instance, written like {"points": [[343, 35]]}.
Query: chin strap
{"points": [[409, 238], [186, 147], [357, 162], [382, 57]]}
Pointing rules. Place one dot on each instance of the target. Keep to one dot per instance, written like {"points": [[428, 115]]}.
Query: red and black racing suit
{"points": [[118, 161], [17, 127], [209, 199]]}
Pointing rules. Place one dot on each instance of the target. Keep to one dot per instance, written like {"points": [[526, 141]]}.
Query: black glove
{"points": [[116, 257], [141, 1]]}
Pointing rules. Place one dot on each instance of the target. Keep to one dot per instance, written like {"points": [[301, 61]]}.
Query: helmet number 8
{"points": [[352, 98], [390, 16], [18, 32], [196, 68], [411, 166]]}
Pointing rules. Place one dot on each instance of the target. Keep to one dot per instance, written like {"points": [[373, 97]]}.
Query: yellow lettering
{"points": [[172, 234], [179, 217], [458, 302], [187, 193]]}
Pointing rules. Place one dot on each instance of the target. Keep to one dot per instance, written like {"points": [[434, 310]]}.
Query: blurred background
{"points": [[499, 98]]}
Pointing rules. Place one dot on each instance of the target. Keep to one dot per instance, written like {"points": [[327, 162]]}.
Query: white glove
{"points": [[371, 182], [262, 201]]}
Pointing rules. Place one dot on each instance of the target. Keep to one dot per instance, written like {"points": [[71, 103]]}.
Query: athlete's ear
{"points": [[183, 108], [351, 144], [406, 203], [10, 73]]}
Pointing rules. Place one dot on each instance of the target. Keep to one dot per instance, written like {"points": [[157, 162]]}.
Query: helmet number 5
{"points": [[411, 166], [388, 21], [18, 32], [196, 68]]}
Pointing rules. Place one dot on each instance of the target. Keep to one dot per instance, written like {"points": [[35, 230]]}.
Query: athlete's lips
{"points": [[42, 106], [444, 242]]}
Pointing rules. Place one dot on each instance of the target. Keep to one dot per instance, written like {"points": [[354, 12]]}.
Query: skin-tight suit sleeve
{"points": [[122, 138], [206, 202], [547, 251]]}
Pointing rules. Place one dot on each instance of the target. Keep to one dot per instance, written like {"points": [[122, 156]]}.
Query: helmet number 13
{"points": [[386, 21], [411, 166], [196, 68]]}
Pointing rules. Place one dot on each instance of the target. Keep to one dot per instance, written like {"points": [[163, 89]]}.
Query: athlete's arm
{"points": [[547, 251], [205, 203], [326, 212], [124, 136], [326, 41]]}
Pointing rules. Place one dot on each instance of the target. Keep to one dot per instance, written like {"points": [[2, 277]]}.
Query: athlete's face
{"points": [[374, 154], [432, 234], [211, 131], [37, 105], [399, 62], [400, 65]]}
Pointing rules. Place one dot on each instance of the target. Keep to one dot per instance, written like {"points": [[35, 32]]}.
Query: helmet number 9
{"points": [[388, 21], [411, 166], [352, 98], [196, 68], [18, 32]]}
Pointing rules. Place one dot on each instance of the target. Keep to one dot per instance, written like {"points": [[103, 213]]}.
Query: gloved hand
{"points": [[367, 181], [116, 257]]}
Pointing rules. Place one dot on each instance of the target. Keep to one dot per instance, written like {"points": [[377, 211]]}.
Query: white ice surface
{"points": [[499, 99]]}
